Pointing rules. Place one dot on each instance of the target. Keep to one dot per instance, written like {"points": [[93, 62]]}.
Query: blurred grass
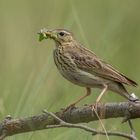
{"points": [[29, 80]]}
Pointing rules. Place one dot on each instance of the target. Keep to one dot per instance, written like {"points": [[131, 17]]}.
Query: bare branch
{"points": [[132, 130], [86, 128], [75, 115]]}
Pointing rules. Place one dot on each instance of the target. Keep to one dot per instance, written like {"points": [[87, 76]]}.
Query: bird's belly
{"points": [[83, 78]]}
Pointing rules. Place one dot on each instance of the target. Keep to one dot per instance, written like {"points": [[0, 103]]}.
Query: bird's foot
{"points": [[70, 107], [94, 107]]}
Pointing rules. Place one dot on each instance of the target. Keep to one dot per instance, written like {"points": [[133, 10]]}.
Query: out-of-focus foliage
{"points": [[29, 80]]}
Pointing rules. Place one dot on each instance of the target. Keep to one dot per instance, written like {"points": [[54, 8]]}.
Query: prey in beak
{"points": [[45, 34]]}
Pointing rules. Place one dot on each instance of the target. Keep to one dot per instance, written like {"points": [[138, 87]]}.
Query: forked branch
{"points": [[70, 118]]}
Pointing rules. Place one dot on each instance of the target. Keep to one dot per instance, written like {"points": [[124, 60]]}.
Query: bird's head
{"points": [[60, 36]]}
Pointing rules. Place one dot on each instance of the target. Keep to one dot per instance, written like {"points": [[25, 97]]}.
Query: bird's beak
{"points": [[45, 34]]}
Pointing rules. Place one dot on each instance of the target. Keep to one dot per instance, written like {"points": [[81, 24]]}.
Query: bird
{"points": [[83, 67]]}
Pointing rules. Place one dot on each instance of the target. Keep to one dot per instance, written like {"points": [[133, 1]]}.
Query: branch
{"points": [[88, 129], [75, 115], [132, 130]]}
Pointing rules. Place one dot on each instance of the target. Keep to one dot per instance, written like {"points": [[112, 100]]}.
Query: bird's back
{"points": [[87, 61]]}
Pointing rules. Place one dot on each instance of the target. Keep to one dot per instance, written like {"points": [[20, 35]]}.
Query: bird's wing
{"points": [[89, 62]]}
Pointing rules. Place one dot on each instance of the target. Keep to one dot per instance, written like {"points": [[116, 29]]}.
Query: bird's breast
{"points": [[63, 62]]}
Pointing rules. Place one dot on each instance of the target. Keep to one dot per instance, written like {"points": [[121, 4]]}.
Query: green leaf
{"points": [[41, 37]]}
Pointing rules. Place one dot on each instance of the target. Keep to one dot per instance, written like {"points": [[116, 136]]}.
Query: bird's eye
{"points": [[61, 33]]}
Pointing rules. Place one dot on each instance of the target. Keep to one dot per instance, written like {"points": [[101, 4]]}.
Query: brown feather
{"points": [[88, 61]]}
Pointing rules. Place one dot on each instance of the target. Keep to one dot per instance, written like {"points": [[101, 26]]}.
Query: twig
{"points": [[95, 111], [10, 126], [132, 130], [86, 128]]}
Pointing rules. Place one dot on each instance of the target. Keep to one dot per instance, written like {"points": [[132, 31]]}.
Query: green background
{"points": [[29, 80]]}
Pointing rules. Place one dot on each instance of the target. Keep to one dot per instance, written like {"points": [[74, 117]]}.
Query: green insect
{"points": [[42, 36]]}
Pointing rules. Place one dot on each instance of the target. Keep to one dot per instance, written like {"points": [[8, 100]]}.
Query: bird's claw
{"points": [[94, 107], [70, 107]]}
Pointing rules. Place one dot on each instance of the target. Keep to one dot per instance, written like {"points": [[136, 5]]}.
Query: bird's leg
{"points": [[94, 106], [88, 92]]}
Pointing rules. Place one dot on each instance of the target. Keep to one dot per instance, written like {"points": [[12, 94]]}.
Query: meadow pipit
{"points": [[82, 67]]}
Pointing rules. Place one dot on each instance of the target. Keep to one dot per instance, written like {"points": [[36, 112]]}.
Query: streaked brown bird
{"points": [[82, 67]]}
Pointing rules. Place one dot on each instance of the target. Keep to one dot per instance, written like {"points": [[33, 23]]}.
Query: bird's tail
{"points": [[120, 89]]}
